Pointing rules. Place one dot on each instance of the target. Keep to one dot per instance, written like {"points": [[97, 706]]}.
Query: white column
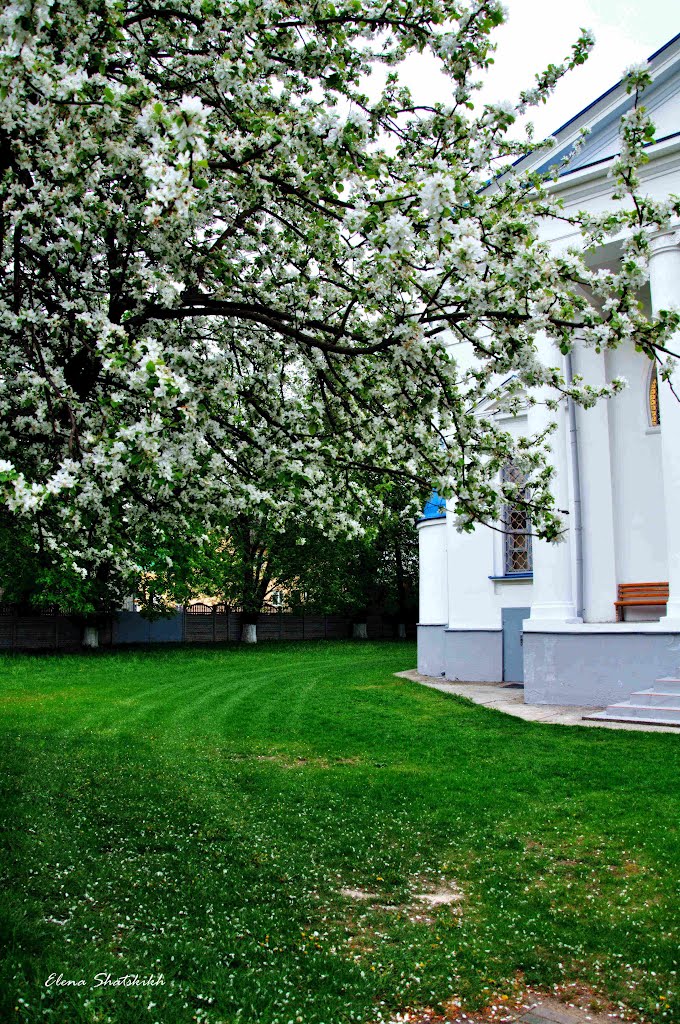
{"points": [[664, 280], [552, 591], [433, 610], [599, 554]]}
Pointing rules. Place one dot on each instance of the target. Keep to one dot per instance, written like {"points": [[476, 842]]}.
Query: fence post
{"points": [[214, 622]]}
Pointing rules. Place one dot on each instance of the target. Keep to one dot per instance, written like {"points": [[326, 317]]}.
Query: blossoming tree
{"points": [[246, 561], [228, 277]]}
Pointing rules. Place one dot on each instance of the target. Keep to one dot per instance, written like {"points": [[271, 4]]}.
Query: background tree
{"points": [[250, 558], [241, 564], [376, 571], [228, 278]]}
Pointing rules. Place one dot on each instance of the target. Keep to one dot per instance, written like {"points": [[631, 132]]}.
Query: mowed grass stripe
{"points": [[199, 811]]}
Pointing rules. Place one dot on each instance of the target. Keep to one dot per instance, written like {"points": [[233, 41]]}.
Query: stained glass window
{"points": [[517, 527], [654, 411]]}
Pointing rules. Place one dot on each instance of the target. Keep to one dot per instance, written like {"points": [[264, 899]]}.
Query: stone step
{"points": [[642, 713], [606, 716], [667, 685], [655, 698], [645, 711]]}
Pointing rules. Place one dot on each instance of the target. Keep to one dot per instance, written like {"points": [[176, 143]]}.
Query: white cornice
{"points": [[663, 157], [607, 106]]}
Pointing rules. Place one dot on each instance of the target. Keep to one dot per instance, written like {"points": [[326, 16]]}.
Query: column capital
{"points": [[666, 241]]}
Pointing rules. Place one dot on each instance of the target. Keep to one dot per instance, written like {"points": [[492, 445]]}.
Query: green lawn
{"points": [[198, 812]]}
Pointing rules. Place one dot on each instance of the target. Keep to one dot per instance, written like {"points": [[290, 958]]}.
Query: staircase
{"points": [[659, 705]]}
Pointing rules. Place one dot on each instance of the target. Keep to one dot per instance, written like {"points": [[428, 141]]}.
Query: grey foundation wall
{"points": [[474, 655], [431, 650], [595, 669], [471, 655]]}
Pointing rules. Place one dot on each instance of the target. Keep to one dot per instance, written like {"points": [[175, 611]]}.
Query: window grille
{"points": [[517, 527], [653, 398]]}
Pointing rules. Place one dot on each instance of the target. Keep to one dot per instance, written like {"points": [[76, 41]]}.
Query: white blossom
{"points": [[231, 282]]}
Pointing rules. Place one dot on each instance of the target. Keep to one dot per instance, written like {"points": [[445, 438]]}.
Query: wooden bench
{"points": [[639, 595]]}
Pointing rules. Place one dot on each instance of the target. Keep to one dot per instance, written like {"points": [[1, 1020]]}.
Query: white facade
{"points": [[612, 461]]}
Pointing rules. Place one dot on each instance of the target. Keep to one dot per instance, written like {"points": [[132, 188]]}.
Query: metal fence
{"points": [[52, 629]]}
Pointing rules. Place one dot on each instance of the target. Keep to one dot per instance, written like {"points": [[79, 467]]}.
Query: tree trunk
{"points": [[249, 633], [255, 581], [401, 591], [91, 637]]}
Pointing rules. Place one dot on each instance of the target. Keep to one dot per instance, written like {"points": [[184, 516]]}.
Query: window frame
{"points": [[510, 533], [652, 399]]}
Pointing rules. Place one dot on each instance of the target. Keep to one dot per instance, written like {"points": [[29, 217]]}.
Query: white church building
{"points": [[506, 606]]}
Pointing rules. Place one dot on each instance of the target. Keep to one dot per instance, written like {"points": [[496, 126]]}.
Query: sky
{"points": [[539, 32]]}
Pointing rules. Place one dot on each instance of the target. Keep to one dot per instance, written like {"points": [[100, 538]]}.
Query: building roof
{"points": [[434, 507], [602, 117]]}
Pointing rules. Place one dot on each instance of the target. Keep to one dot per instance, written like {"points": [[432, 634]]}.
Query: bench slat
{"points": [[625, 604], [643, 590]]}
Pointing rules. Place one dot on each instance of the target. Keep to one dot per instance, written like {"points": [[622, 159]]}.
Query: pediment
{"points": [[602, 118], [494, 407]]}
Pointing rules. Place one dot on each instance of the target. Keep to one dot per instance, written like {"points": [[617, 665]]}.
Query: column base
{"points": [[553, 611], [667, 624]]}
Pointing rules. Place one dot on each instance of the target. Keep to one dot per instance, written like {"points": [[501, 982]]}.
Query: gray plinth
{"points": [[431, 650], [595, 669], [474, 655]]}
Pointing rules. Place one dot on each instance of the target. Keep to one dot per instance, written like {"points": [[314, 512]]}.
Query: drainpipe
{"points": [[576, 479]]}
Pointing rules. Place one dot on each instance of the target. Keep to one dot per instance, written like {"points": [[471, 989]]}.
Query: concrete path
{"points": [[551, 1011], [533, 1009], [511, 701]]}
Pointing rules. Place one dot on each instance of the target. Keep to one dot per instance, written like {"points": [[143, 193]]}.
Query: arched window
{"points": [[653, 399], [517, 528]]}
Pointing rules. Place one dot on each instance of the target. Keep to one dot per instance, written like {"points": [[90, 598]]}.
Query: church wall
{"points": [[433, 596], [622, 463], [664, 108], [475, 599]]}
